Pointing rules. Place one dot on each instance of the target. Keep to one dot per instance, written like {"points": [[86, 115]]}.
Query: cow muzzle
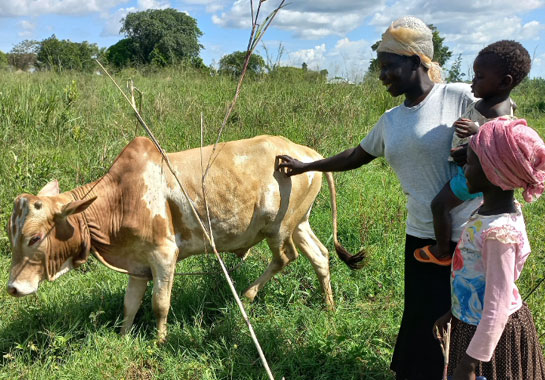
{"points": [[20, 290]]}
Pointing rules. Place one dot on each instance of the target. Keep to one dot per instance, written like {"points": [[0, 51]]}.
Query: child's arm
{"points": [[499, 261]]}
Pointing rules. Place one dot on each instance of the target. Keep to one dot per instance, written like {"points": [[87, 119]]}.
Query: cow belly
{"points": [[226, 239]]}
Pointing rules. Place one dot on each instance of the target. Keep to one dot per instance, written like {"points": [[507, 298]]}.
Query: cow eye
{"points": [[34, 239]]}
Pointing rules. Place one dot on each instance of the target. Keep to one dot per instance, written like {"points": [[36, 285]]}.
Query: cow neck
{"points": [[54, 259], [94, 234]]}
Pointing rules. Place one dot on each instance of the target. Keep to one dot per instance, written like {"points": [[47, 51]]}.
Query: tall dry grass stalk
{"points": [[444, 341], [256, 34]]}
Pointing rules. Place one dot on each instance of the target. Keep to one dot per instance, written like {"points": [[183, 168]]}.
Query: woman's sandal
{"points": [[431, 258]]}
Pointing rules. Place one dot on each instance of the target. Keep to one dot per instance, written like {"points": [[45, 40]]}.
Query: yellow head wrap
{"points": [[409, 35]]}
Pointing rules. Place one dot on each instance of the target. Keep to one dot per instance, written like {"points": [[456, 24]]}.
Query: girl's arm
{"points": [[499, 261]]}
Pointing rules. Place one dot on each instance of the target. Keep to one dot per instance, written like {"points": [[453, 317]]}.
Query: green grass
{"points": [[72, 126]]}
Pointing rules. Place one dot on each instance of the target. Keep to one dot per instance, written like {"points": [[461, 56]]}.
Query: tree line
{"points": [[163, 37]]}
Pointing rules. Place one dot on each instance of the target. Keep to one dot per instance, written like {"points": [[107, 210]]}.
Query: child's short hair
{"points": [[514, 58]]}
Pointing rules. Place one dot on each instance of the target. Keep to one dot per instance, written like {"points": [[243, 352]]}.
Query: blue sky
{"points": [[331, 34]]}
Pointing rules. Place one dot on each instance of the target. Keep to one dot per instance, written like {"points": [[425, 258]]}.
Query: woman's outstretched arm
{"points": [[349, 159]]}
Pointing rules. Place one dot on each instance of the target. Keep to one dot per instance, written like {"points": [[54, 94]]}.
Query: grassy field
{"points": [[72, 126]]}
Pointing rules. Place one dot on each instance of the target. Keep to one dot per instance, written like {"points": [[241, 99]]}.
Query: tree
{"points": [[122, 53], [441, 53], [454, 73], [23, 55], [58, 55], [233, 63], [159, 36], [3, 60]]}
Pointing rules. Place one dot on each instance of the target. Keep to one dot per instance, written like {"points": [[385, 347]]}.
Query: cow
{"points": [[135, 219]]}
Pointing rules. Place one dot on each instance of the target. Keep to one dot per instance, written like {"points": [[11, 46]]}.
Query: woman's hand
{"points": [[465, 127], [465, 369], [289, 165], [441, 324]]}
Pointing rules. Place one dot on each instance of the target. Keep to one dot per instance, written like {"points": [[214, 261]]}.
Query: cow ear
{"points": [[50, 190], [76, 207]]}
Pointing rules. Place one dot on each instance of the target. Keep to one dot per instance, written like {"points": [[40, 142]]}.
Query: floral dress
{"points": [[487, 261]]}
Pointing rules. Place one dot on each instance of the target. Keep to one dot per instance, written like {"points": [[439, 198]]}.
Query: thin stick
{"points": [[255, 36], [444, 341], [207, 235], [534, 289]]}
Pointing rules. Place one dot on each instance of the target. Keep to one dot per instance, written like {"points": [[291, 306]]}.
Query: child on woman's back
{"points": [[498, 68], [493, 333]]}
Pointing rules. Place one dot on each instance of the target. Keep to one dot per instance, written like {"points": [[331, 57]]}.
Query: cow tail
{"points": [[353, 261]]}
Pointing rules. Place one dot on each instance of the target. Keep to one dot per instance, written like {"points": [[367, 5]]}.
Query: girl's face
{"points": [[488, 76], [395, 72], [473, 171]]}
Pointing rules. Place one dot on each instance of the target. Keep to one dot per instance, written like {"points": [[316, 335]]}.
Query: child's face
{"points": [[473, 171], [488, 77]]}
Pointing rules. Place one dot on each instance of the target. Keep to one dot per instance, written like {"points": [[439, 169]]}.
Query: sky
{"points": [[325, 34]]}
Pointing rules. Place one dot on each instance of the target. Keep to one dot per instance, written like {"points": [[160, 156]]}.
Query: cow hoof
{"points": [[250, 294], [161, 341]]}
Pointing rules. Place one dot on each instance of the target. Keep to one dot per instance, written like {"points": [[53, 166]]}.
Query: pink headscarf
{"points": [[512, 155]]}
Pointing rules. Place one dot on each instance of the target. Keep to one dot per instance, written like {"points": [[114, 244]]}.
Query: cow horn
{"points": [[50, 190]]}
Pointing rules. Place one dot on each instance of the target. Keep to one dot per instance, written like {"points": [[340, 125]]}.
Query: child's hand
{"points": [[465, 127], [441, 324], [459, 154]]}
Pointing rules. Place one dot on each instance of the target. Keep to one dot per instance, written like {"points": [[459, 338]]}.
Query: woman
{"points": [[414, 138]]}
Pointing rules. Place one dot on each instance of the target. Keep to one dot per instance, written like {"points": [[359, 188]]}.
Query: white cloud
{"points": [[469, 25], [74, 7], [314, 58], [152, 4], [350, 59], [203, 2], [539, 61], [305, 19], [27, 29], [212, 8], [112, 21], [456, 14]]}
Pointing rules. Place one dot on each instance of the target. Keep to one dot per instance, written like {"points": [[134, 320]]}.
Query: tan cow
{"points": [[136, 219]]}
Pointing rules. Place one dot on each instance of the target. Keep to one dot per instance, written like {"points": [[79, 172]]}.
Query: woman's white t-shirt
{"points": [[416, 142]]}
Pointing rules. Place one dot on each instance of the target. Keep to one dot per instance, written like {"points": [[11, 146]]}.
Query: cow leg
{"points": [[162, 270], [133, 298], [283, 254], [314, 250]]}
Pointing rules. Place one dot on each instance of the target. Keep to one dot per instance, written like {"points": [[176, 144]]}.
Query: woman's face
{"points": [[395, 72], [473, 171]]}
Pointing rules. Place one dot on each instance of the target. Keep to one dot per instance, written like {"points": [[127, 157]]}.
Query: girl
{"points": [[493, 333]]}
